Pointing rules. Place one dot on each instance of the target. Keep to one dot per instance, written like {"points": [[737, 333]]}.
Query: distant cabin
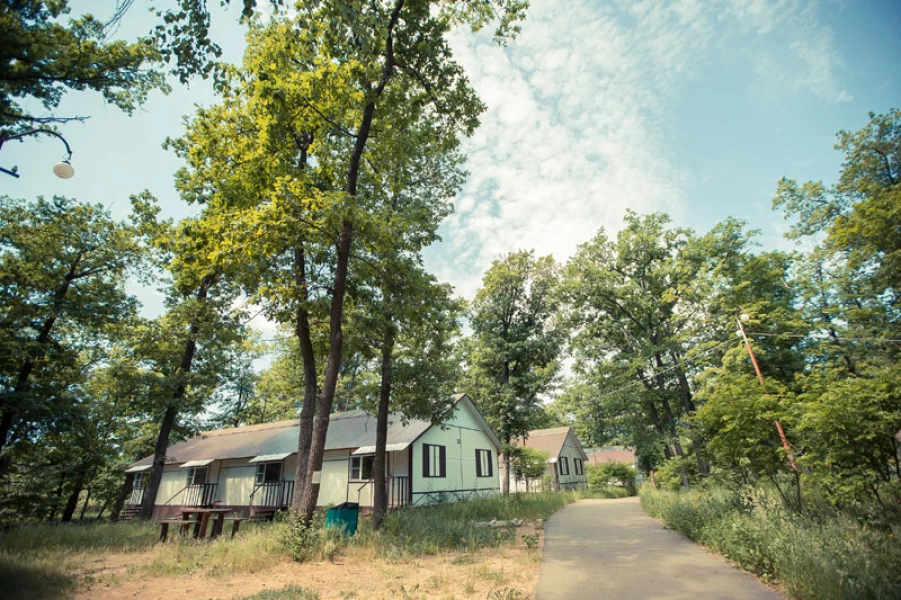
{"points": [[251, 469], [566, 461], [611, 454]]}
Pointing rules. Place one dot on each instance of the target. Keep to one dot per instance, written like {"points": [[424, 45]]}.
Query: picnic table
{"points": [[204, 515], [201, 520]]}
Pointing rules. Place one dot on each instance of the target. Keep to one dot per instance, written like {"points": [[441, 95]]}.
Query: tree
{"points": [[43, 58], [62, 270], [312, 89], [512, 355], [528, 463]]}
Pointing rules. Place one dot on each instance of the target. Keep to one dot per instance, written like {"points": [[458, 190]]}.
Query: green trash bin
{"points": [[343, 516]]}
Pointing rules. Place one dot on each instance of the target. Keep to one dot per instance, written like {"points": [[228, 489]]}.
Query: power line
{"points": [[642, 380], [820, 337]]}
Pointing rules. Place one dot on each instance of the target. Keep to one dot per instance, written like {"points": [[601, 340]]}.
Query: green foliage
{"points": [[528, 463], [512, 355], [46, 55], [289, 592], [603, 475], [822, 554]]}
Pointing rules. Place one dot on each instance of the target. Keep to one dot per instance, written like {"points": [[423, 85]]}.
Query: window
{"points": [[269, 472], [564, 465], [577, 465], [137, 481], [484, 467], [361, 467], [434, 461], [197, 475]]}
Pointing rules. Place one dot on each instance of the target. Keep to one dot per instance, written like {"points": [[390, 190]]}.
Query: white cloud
{"points": [[575, 131]]}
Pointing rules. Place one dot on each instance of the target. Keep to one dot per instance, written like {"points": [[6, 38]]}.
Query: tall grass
{"points": [[48, 560], [822, 553]]}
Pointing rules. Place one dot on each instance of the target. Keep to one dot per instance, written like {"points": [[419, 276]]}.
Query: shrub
{"points": [[606, 474], [821, 553]]}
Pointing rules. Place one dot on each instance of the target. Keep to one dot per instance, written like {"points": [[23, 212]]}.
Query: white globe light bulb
{"points": [[745, 317], [64, 170]]}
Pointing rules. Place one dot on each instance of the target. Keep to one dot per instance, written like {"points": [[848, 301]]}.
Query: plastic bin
{"points": [[343, 516]]}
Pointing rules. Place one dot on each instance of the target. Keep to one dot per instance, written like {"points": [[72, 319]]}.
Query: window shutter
{"points": [[443, 461], [478, 463], [490, 463], [426, 455]]}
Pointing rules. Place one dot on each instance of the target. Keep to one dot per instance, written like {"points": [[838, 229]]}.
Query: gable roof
{"points": [[611, 454], [347, 431], [550, 440]]}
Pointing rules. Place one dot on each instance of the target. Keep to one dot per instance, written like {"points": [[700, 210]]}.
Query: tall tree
{"points": [[512, 355], [43, 57], [336, 84], [62, 271]]}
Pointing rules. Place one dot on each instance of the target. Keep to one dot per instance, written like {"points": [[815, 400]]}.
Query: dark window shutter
{"points": [[490, 463], [443, 461], [478, 463], [426, 452]]}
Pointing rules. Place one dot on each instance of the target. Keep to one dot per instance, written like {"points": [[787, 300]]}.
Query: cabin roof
{"points": [[611, 454], [347, 430], [549, 440]]}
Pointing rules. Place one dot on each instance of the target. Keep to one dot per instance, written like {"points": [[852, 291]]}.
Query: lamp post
{"points": [[63, 169], [744, 318]]}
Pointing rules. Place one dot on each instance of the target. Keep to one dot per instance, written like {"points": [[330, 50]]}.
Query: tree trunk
{"points": [[336, 315], [124, 492], [72, 503], [102, 509], [162, 440], [159, 461], [57, 495], [310, 387], [506, 481], [380, 492], [84, 507], [7, 412]]}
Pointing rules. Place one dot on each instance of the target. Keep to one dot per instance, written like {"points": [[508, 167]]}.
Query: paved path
{"points": [[612, 549]]}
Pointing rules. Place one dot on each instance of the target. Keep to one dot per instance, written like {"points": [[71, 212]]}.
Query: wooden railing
{"points": [[398, 491], [272, 494], [200, 495], [137, 496]]}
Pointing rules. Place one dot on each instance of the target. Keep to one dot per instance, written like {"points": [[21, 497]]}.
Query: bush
{"points": [[821, 553], [607, 474]]}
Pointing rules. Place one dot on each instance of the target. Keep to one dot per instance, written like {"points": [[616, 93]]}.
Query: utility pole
{"points": [[744, 318]]}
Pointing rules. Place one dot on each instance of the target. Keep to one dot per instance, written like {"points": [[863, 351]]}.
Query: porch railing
{"points": [[398, 491], [137, 495], [200, 495], [272, 494]]}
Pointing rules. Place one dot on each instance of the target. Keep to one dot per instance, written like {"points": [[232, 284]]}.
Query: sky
{"points": [[695, 108]]}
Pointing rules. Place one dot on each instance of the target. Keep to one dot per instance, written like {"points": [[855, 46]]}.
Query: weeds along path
{"points": [[613, 549]]}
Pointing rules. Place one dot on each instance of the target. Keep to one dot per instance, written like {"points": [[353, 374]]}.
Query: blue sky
{"points": [[691, 107]]}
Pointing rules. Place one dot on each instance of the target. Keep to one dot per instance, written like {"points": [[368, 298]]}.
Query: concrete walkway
{"points": [[613, 549]]}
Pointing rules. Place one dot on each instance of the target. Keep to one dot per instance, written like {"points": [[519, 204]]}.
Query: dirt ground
{"points": [[496, 572]]}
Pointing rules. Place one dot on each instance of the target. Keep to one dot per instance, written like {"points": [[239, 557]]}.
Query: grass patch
{"points": [[290, 592], [40, 560], [821, 554]]}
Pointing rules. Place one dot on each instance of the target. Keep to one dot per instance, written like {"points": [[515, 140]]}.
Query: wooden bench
{"points": [[183, 526], [236, 524]]}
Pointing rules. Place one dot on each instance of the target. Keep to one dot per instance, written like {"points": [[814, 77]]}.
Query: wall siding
{"points": [[461, 435]]}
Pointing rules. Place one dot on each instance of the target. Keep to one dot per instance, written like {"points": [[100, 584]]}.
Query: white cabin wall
{"points": [[335, 471], [173, 481], [461, 436]]}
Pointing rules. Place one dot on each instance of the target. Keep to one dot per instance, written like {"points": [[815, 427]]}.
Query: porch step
{"points": [[262, 514], [129, 513]]}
